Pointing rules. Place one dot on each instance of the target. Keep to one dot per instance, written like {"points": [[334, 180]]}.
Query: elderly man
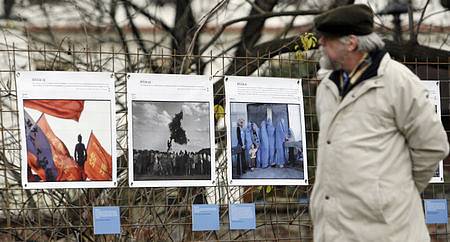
{"points": [[380, 140]]}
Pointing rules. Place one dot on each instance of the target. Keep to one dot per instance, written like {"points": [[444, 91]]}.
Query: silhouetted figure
{"points": [[177, 133], [169, 145], [80, 155]]}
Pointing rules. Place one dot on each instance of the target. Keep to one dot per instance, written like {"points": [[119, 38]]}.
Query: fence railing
{"points": [[164, 214]]}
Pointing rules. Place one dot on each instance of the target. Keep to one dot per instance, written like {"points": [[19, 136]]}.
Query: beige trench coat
{"points": [[377, 149]]}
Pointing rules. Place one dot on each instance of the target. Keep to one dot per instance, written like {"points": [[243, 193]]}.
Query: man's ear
{"points": [[353, 43]]}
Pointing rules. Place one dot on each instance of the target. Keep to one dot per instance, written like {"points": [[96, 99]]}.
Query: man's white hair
{"points": [[366, 43]]}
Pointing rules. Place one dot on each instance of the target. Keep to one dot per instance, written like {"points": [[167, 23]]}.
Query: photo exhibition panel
{"points": [[67, 124], [434, 96], [170, 130], [266, 141]]}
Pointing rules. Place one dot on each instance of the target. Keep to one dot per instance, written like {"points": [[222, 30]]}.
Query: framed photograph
{"points": [[67, 124], [266, 139], [435, 97], [170, 130]]}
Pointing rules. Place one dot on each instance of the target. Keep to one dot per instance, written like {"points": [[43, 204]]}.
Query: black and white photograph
{"points": [[266, 131], [171, 141], [170, 130]]}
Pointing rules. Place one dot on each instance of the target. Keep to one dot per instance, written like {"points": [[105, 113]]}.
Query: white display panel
{"points": [[170, 130], [266, 138], [67, 123], [435, 97]]}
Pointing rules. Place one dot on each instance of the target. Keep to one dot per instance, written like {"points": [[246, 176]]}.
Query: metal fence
{"points": [[164, 214]]}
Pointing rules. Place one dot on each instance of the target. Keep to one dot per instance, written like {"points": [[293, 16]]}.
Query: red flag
{"points": [[68, 169], [34, 165], [41, 166], [98, 166], [67, 109]]}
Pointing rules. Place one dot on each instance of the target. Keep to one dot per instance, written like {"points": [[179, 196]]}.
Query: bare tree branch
{"points": [[184, 29], [420, 21], [338, 3], [256, 7], [112, 13], [137, 34], [260, 54], [412, 36], [201, 24], [47, 17], [255, 17], [411, 51], [255, 58], [151, 18], [252, 30], [435, 13]]}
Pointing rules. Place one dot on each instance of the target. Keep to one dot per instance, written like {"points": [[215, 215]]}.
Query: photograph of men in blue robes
{"points": [[266, 141]]}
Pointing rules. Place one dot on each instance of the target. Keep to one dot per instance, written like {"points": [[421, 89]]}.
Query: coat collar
{"points": [[359, 90], [380, 61]]}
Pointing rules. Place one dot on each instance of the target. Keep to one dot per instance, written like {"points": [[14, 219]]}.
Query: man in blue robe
{"points": [[280, 138], [264, 148], [271, 139]]}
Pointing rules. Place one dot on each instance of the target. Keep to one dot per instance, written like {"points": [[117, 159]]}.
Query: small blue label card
{"points": [[106, 220], [436, 211], [205, 217], [242, 216], [304, 200]]}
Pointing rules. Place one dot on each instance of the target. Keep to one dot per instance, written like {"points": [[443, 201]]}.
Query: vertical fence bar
{"points": [[100, 58]]}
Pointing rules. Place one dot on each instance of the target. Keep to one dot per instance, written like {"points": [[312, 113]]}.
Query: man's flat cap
{"points": [[356, 19]]}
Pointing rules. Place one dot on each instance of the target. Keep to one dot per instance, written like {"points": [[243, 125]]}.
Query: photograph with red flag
{"points": [[68, 142], [70, 147]]}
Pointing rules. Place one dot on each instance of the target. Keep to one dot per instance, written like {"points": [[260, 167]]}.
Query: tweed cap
{"points": [[356, 19]]}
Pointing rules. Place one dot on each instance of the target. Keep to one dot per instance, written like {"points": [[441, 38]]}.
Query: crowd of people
{"points": [[181, 163]]}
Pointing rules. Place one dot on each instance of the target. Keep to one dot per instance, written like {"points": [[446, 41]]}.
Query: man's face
{"points": [[241, 123], [333, 53]]}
